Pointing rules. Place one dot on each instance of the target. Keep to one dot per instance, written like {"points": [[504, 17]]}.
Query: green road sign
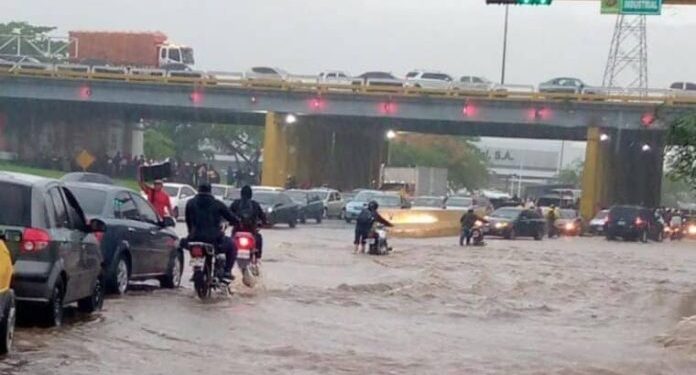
{"points": [[611, 6], [641, 7]]}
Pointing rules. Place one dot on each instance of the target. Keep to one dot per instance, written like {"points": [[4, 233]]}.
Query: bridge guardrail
{"points": [[309, 84]]}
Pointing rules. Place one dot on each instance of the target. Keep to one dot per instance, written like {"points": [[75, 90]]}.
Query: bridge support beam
{"points": [[316, 152], [621, 168]]}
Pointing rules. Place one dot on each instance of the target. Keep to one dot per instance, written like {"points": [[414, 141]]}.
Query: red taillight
{"points": [[244, 241], [196, 252], [639, 221], [34, 240]]}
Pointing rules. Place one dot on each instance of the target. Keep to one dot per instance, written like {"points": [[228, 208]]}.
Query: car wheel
{"points": [[644, 236], [176, 213], [95, 301], [610, 237], [120, 276], [539, 235], [293, 223], [7, 327], [303, 220], [341, 215], [325, 213], [53, 311], [511, 235], [660, 236], [172, 279]]}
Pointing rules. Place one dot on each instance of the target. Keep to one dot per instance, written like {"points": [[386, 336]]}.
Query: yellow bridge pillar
{"points": [[595, 176], [275, 151]]}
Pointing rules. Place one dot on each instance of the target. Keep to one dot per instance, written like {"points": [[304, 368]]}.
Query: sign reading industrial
{"points": [[632, 7]]}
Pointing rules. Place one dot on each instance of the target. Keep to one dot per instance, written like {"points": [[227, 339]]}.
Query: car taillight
{"points": [[196, 252], [34, 240]]}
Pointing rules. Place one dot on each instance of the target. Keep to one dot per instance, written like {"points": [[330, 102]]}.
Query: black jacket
{"points": [[204, 215], [257, 215], [469, 219]]}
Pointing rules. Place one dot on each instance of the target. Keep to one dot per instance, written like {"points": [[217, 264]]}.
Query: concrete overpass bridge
{"points": [[339, 137]]}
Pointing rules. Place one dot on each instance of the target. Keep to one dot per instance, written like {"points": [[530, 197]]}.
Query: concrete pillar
{"points": [[619, 170], [316, 152], [137, 140]]}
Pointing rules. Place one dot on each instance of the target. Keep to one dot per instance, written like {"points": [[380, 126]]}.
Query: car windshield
{"points": [[568, 214], [15, 204], [171, 191], [321, 194], [601, 215], [460, 202], [388, 200], [506, 213], [427, 202], [218, 191], [91, 200], [623, 212], [266, 197], [364, 196], [299, 197]]}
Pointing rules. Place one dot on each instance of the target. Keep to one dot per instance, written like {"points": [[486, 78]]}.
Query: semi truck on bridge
{"points": [[128, 49]]}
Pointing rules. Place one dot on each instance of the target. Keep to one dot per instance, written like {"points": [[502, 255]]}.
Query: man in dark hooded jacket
{"points": [[204, 217], [250, 215]]}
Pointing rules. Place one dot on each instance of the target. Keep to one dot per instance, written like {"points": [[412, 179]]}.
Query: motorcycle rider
{"points": [[551, 217], [204, 216], [364, 222], [250, 214], [468, 222]]}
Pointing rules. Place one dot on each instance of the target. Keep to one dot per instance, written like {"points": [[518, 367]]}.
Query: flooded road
{"points": [[566, 306]]}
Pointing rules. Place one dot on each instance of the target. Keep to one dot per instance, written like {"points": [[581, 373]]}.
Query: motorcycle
{"points": [[246, 257], [208, 269], [378, 241], [476, 235]]}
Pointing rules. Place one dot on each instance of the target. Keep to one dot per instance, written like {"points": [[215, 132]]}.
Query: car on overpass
{"points": [[266, 73], [474, 83], [563, 85], [334, 77], [377, 78], [428, 79]]}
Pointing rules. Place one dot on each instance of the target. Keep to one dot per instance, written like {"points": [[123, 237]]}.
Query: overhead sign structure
{"points": [[632, 7]]}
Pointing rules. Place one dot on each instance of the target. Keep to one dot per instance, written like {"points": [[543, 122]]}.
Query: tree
{"points": [[681, 150], [465, 163], [158, 146], [34, 41], [675, 191], [244, 143], [571, 175]]}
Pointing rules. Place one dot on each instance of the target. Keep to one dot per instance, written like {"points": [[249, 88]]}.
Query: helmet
{"points": [[373, 205], [204, 188], [471, 210], [246, 192]]}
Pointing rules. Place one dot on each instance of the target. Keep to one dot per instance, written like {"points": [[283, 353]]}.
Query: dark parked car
{"points": [[96, 178], [633, 223], [513, 222], [278, 206], [56, 253], [137, 244], [309, 204]]}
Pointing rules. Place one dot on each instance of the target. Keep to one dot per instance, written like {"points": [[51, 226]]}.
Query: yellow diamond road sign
{"points": [[85, 160]]}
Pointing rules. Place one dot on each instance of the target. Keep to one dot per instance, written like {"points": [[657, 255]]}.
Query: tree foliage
{"points": [[34, 41], [572, 174], [158, 146], [465, 163], [681, 150]]}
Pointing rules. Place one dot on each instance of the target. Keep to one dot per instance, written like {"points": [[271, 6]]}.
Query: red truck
{"points": [[130, 49]]}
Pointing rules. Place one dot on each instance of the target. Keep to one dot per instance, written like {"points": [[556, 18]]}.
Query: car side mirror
{"points": [[277, 205], [96, 226], [168, 222]]}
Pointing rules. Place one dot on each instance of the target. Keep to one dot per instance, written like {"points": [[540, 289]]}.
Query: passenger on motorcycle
{"points": [[250, 214], [468, 222], [364, 222], [204, 217]]}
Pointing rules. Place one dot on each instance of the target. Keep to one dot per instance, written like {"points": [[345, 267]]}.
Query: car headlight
{"points": [[692, 229], [501, 225], [270, 209], [569, 226]]}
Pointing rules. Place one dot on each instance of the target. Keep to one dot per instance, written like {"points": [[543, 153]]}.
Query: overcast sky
{"points": [[569, 38]]}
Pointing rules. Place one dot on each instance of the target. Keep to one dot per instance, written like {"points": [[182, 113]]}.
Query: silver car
{"points": [[333, 202], [473, 83], [563, 85]]}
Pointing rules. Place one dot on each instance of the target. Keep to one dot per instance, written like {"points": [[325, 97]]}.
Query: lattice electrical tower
{"points": [[627, 65]]}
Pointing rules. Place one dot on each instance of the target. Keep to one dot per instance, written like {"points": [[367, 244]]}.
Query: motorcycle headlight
{"points": [[692, 229], [270, 209], [569, 226]]}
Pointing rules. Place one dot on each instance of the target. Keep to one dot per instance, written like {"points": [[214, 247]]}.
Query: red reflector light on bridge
{"points": [[85, 92], [539, 114], [469, 110], [647, 119], [196, 97], [388, 108], [317, 104]]}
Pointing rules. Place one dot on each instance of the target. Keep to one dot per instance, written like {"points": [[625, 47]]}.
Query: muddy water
{"points": [[569, 306]]}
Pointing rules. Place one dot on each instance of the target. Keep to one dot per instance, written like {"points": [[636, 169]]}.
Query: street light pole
{"points": [[505, 34]]}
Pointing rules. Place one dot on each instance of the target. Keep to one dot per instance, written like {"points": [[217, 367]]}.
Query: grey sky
{"points": [[456, 36]]}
